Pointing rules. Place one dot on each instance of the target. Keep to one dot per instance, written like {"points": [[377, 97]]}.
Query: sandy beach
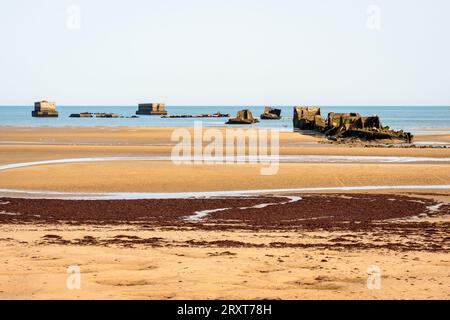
{"points": [[315, 244], [240, 152]]}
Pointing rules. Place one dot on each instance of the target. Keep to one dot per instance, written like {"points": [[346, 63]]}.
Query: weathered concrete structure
{"points": [[152, 109], [345, 125], [218, 114], [81, 115], [243, 117], [107, 115], [271, 114], [202, 115], [44, 109], [170, 116], [308, 118]]}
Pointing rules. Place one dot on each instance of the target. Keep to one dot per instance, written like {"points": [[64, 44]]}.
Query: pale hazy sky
{"points": [[230, 52]]}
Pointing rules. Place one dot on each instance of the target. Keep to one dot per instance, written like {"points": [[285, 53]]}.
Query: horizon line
{"points": [[227, 106]]}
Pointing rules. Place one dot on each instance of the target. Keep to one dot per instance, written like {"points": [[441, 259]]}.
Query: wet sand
{"points": [[267, 246], [136, 176], [433, 137]]}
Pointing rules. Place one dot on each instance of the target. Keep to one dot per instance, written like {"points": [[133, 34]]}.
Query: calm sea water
{"points": [[407, 118]]}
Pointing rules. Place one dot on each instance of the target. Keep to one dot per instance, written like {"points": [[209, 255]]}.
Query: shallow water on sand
{"points": [[43, 194], [261, 159]]}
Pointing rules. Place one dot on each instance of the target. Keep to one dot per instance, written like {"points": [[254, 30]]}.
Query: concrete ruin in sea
{"points": [[339, 126], [81, 115], [44, 109], [151, 109], [243, 117], [107, 115], [271, 114], [98, 115], [202, 115], [218, 114]]}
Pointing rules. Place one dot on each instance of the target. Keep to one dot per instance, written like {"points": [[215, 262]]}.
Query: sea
{"points": [[409, 118]]}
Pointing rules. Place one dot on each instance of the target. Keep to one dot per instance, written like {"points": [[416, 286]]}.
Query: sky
{"points": [[225, 52]]}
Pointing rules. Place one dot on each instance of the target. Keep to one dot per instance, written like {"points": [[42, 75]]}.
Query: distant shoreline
{"points": [[406, 118], [421, 134], [232, 106]]}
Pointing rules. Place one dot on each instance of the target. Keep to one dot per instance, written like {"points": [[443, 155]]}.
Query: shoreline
{"points": [[305, 163], [302, 241], [160, 137]]}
